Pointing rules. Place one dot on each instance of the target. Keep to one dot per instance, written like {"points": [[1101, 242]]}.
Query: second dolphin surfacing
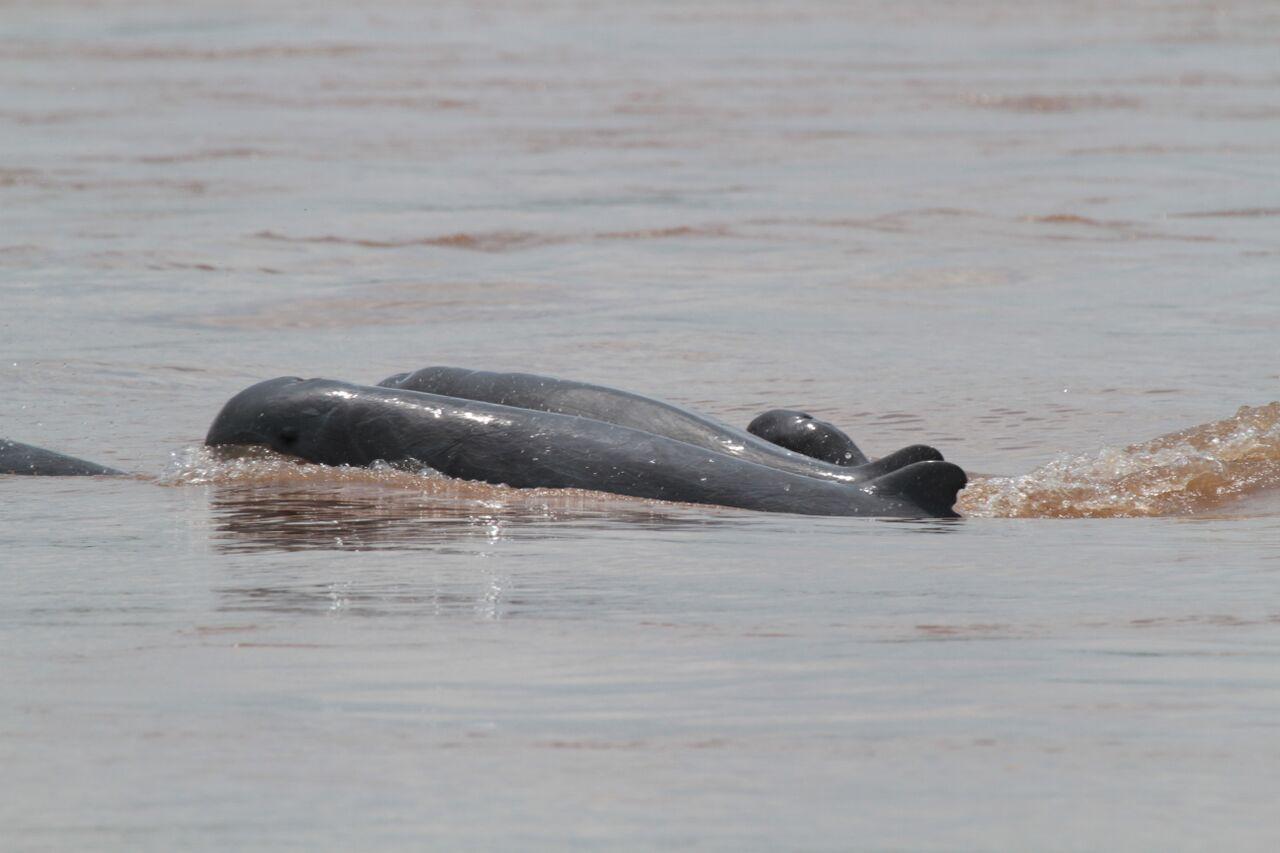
{"points": [[337, 423]]}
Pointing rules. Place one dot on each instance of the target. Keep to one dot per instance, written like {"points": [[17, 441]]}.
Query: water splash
{"points": [[1182, 473], [258, 466]]}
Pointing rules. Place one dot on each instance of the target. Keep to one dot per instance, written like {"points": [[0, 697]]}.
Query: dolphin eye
{"points": [[289, 435]]}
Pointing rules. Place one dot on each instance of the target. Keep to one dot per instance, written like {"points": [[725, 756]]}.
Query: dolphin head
{"points": [[803, 433], [283, 414]]}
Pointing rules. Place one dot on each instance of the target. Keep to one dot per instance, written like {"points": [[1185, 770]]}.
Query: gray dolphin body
{"points": [[805, 434], [565, 397], [336, 423], [18, 458]]}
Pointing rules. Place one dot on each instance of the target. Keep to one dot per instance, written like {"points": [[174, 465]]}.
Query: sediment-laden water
{"points": [[1041, 237]]}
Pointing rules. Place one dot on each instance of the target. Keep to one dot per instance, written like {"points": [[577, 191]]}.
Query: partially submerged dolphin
{"points": [[822, 451], [565, 435], [18, 458], [337, 423]]}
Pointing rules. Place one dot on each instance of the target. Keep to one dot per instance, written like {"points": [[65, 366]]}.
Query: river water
{"points": [[1041, 237]]}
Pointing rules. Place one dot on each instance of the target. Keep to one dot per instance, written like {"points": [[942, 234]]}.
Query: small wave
{"points": [[445, 301], [47, 117], [46, 181], [1074, 227], [667, 233], [19, 177], [258, 467], [96, 50], [1182, 473], [493, 241], [1241, 213], [416, 103], [1149, 149], [202, 466], [261, 500], [202, 155], [1075, 219], [502, 241], [1052, 103]]}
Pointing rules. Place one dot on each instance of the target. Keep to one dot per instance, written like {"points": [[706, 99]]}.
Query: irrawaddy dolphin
{"points": [[536, 431], [823, 450], [18, 458], [336, 423]]}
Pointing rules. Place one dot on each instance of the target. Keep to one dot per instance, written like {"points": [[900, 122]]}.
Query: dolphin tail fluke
{"points": [[931, 485]]}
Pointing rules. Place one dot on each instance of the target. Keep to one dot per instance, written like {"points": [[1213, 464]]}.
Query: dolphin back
{"points": [[19, 458], [646, 414]]}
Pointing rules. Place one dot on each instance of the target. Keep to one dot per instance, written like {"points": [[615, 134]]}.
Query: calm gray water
{"points": [[1038, 236]]}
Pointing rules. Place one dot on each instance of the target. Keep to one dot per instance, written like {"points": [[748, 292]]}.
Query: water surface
{"points": [[1039, 237]]}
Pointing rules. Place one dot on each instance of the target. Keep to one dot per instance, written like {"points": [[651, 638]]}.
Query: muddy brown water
{"points": [[1042, 237]]}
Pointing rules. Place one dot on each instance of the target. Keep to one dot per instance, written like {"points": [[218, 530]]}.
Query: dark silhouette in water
{"points": [[337, 423], [18, 458]]}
